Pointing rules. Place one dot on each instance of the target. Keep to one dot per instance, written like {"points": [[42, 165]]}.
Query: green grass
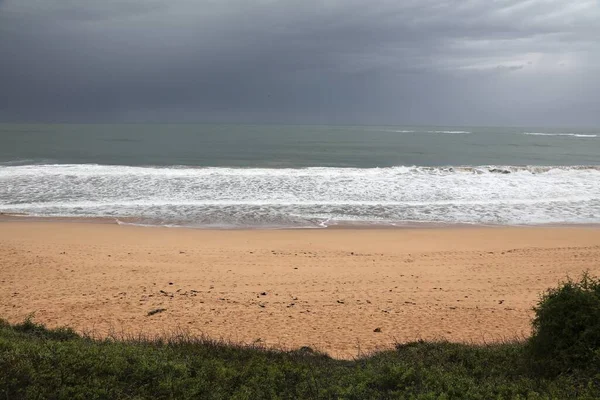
{"points": [[37, 363]]}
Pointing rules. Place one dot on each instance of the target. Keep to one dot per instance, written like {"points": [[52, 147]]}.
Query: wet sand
{"points": [[329, 289]]}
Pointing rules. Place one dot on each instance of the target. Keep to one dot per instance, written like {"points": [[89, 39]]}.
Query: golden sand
{"points": [[329, 289]]}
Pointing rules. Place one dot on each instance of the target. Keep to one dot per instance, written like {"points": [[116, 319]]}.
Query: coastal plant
{"points": [[566, 328], [40, 363], [560, 361]]}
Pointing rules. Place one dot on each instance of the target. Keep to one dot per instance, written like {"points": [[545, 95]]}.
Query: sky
{"points": [[405, 62]]}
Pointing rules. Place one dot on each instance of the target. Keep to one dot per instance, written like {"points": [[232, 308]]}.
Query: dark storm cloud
{"points": [[456, 62]]}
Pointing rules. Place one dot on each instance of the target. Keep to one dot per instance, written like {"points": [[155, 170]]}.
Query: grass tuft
{"points": [[560, 361], [40, 363]]}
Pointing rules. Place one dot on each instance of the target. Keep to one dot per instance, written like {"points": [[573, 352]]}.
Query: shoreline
{"points": [[132, 221], [329, 289]]}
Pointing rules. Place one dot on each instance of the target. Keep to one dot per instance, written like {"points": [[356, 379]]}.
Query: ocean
{"points": [[273, 176]]}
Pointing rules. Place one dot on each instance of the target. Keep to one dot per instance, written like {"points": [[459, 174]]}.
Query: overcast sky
{"points": [[476, 62]]}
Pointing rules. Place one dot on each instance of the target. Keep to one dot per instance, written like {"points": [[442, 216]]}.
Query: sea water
{"points": [[271, 176]]}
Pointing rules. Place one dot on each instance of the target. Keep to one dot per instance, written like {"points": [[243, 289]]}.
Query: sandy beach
{"points": [[347, 292]]}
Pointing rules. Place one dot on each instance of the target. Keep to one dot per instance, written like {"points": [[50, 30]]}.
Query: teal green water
{"points": [[301, 176], [296, 146]]}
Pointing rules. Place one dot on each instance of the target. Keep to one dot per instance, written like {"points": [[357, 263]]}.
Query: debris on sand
{"points": [[156, 311]]}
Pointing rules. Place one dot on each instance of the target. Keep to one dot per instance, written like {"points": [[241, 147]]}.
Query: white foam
{"points": [[232, 197], [448, 132], [413, 131], [580, 135]]}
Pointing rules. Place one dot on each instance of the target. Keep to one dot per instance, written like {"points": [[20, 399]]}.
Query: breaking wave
{"points": [[305, 197], [579, 135], [448, 132]]}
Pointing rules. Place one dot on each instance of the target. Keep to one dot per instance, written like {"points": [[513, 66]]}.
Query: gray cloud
{"points": [[529, 62]]}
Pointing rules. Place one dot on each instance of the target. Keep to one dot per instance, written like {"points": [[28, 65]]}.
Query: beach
{"points": [[346, 292]]}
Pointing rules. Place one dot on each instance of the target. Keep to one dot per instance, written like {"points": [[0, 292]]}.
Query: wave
{"points": [[305, 197], [448, 132], [74, 170], [24, 161], [413, 131], [259, 203], [579, 135]]}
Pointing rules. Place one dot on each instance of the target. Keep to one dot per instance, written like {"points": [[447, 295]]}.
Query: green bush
{"points": [[566, 328], [40, 363]]}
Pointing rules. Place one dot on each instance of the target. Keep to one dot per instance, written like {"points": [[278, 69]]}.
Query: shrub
{"points": [[566, 328]]}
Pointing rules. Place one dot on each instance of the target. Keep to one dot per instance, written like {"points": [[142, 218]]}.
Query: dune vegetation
{"points": [[561, 360]]}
